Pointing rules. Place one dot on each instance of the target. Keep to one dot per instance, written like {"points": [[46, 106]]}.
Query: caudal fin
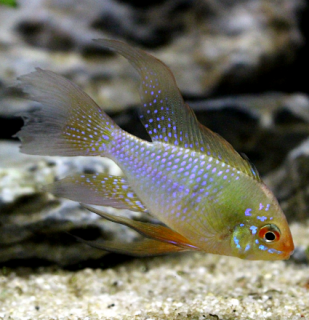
{"points": [[69, 122]]}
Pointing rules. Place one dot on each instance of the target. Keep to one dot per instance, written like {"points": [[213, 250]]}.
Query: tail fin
{"points": [[70, 123]]}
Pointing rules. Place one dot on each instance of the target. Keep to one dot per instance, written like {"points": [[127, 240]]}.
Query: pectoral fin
{"points": [[149, 230]]}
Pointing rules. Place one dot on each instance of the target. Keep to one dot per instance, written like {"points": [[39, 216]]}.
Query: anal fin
{"points": [[98, 189]]}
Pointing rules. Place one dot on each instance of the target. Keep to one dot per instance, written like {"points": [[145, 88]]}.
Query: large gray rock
{"points": [[33, 224], [206, 43], [266, 127], [290, 182]]}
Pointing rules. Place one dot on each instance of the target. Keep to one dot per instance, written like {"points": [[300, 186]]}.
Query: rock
{"points": [[33, 224], [208, 45], [290, 183], [212, 47], [265, 127]]}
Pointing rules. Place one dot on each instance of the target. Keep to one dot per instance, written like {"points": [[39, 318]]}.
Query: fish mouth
{"points": [[287, 248]]}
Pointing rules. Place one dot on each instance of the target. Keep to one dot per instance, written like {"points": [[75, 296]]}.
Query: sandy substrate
{"points": [[187, 286]]}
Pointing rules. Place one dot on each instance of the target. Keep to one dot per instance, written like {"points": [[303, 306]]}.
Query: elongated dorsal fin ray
{"points": [[165, 115], [98, 189]]}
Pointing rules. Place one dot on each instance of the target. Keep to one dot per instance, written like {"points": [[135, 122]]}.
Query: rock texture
{"points": [[290, 182], [208, 44], [251, 56], [33, 223]]}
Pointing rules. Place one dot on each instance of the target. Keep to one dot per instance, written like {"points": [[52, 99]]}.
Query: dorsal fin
{"points": [[165, 115]]}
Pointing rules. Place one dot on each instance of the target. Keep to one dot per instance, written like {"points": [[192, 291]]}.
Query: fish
{"points": [[206, 196]]}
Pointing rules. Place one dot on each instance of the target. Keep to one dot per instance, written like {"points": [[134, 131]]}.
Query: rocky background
{"points": [[241, 65]]}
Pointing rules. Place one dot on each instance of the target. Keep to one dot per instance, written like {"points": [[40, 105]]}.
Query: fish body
{"points": [[209, 197]]}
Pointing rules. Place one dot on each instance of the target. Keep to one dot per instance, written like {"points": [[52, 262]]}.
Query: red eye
{"points": [[269, 233]]}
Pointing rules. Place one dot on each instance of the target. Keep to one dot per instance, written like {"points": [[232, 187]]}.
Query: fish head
{"points": [[265, 234]]}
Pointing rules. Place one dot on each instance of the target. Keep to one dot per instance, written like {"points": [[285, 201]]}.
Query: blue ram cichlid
{"points": [[209, 197]]}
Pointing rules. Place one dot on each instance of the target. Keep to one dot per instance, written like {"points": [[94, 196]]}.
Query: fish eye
{"points": [[269, 233]]}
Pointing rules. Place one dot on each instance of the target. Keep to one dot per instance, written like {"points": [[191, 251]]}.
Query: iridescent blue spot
{"points": [[263, 218], [242, 225], [248, 212], [253, 229], [274, 251], [236, 242], [261, 247]]}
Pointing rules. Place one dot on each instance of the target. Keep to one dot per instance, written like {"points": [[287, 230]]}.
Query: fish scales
{"points": [[209, 197], [202, 183]]}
